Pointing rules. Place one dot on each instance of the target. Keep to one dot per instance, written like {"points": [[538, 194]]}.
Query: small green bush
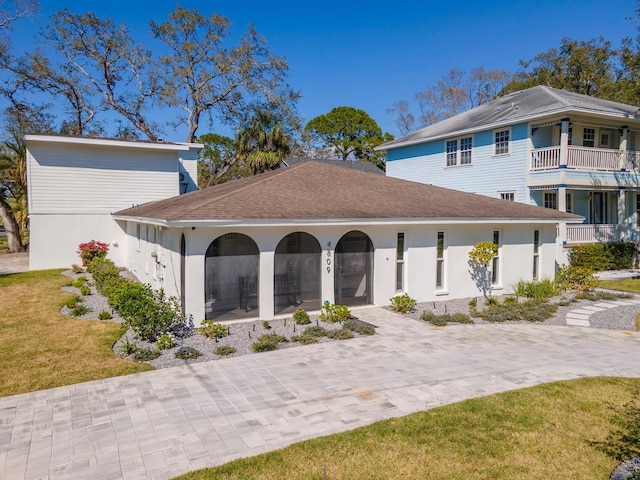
{"points": [[358, 328], [211, 329], [437, 320], [266, 325], [73, 301], [102, 269], [333, 313], [165, 341], [267, 342], [300, 317], [187, 353], [473, 303], [79, 310], [575, 278], [91, 250], [340, 334], [225, 350], [402, 303], [460, 318], [104, 315], [304, 339], [79, 282], [530, 311], [603, 256], [315, 331], [77, 268], [85, 290], [491, 301], [145, 354], [508, 300], [128, 348]]}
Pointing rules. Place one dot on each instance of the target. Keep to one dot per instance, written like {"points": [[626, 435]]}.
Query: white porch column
{"points": [[623, 149], [622, 213], [194, 284], [265, 292], [562, 198], [564, 142], [327, 265]]}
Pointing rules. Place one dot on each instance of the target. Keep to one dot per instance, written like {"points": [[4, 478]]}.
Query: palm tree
{"points": [[263, 143]]}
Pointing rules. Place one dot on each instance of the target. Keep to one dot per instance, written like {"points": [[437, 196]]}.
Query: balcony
{"points": [[579, 233], [585, 158]]}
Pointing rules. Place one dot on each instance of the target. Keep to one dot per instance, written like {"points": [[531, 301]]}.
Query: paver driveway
{"points": [[162, 423]]}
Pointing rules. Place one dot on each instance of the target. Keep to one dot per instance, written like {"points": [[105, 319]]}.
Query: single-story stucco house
{"points": [[268, 244]]}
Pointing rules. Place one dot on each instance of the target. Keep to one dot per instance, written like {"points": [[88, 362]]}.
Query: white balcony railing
{"points": [[585, 158], [578, 233]]}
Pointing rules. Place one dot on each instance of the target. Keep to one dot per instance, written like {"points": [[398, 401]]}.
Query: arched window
{"points": [[231, 278], [353, 272], [297, 273]]}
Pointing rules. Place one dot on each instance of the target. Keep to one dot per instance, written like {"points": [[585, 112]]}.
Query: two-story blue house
{"points": [[542, 146]]}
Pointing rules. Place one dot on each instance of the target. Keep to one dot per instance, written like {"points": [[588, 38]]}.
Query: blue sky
{"points": [[370, 54]]}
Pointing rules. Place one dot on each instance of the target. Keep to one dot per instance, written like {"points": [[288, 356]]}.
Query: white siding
{"points": [[92, 179]]}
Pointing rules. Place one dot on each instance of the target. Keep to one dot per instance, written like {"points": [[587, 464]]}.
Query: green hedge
{"points": [[603, 256]]}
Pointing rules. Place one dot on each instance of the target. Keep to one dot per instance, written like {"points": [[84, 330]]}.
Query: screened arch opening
{"points": [[297, 273], [353, 272], [231, 267]]}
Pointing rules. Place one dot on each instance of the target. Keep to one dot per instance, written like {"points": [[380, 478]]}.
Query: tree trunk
{"points": [[11, 226]]}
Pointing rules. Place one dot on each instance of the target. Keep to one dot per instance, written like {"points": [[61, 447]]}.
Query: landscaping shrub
{"points": [[85, 290], [333, 313], [461, 318], [315, 331], [575, 278], [145, 354], [147, 312], [73, 301], [79, 282], [542, 289], [224, 350], [341, 334], [187, 353], [304, 339], [301, 317], [445, 318], [402, 303], [77, 268], [102, 270], [267, 342], [165, 341], [529, 311], [90, 250], [211, 329], [104, 315], [603, 256], [128, 347], [358, 328], [79, 309], [266, 325]]}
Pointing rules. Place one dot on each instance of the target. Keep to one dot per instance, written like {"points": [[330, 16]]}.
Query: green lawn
{"points": [[41, 348], [542, 432]]}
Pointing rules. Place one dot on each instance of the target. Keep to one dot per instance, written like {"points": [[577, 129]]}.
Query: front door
{"points": [[599, 208], [353, 273]]}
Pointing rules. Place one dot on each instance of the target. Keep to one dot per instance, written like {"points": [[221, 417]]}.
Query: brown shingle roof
{"points": [[313, 190]]}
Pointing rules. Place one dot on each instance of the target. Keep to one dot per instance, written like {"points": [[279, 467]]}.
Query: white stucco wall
{"points": [[516, 259], [55, 238]]}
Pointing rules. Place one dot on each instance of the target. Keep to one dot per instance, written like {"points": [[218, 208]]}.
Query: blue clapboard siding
{"points": [[487, 175]]}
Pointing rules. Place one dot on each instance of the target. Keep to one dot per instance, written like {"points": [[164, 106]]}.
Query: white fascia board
{"points": [[175, 147], [504, 123], [337, 222]]}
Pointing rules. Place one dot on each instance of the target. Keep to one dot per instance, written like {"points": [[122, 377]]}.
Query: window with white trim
{"points": [[459, 151], [509, 196], [501, 144], [550, 200], [588, 137], [440, 261], [495, 264], [536, 253], [400, 262]]}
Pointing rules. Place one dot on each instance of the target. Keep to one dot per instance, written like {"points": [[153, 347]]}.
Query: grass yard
{"points": [[41, 348], [535, 433]]}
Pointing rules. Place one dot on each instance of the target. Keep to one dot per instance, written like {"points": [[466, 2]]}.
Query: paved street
{"points": [[162, 423]]}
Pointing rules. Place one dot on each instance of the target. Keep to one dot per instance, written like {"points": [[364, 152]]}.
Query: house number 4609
{"points": [[328, 262]]}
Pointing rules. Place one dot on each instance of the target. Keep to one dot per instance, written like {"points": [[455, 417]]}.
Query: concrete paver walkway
{"points": [[162, 423]]}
